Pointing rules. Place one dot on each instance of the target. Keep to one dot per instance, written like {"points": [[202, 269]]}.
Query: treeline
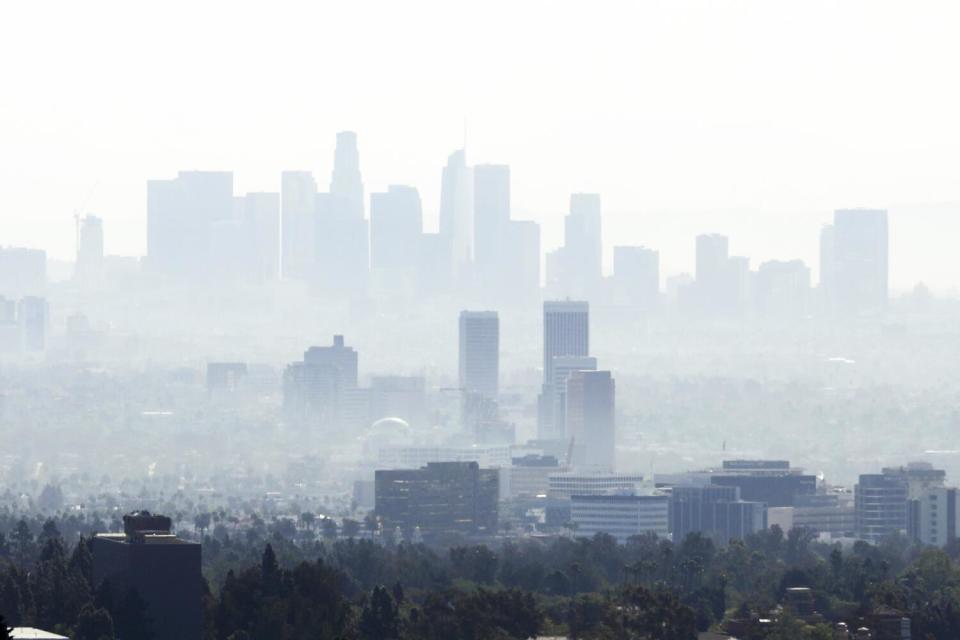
{"points": [[277, 587]]}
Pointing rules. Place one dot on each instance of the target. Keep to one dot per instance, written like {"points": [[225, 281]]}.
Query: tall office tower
{"points": [[456, 213], [491, 214], [23, 272], [636, 276], [855, 253], [563, 368], [260, 217], [783, 289], [89, 267], [181, 220], [480, 353], [566, 332], [346, 183], [827, 265], [520, 272], [396, 233], [583, 244], [162, 569], [33, 314], [343, 249], [314, 389], [591, 423], [880, 502], [712, 273], [298, 214]]}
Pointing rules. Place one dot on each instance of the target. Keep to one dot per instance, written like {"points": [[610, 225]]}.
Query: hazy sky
{"points": [[750, 118]]}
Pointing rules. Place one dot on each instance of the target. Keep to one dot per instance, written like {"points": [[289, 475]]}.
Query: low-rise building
{"points": [[620, 516]]}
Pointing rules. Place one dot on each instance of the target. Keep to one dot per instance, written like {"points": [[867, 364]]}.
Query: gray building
{"points": [[566, 332], [298, 212], [854, 255], [183, 217], [163, 569], [480, 353], [440, 497], [591, 420], [714, 511], [315, 389], [880, 501]]}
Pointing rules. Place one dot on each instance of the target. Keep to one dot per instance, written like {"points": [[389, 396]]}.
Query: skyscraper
{"points": [[636, 275], [563, 368], [782, 289], [491, 213], [181, 219], [456, 213], [346, 183], [314, 389], [343, 234], [590, 419], [480, 353], [298, 211], [854, 255], [23, 272], [396, 227], [33, 315], [260, 217], [89, 268], [566, 332], [581, 258]]}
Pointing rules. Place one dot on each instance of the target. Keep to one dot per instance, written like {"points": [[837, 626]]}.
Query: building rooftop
{"points": [[29, 632]]}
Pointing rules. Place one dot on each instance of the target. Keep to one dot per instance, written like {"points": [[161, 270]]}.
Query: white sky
{"points": [[750, 118]]}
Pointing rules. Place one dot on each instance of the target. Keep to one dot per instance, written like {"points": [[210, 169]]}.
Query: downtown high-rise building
{"points": [[491, 214], [346, 183], [636, 276], [317, 389], [182, 219], [563, 368], [259, 217], [298, 212], [89, 267], [576, 267], [396, 233], [456, 214], [343, 235], [590, 419], [480, 353], [854, 257], [566, 332]]}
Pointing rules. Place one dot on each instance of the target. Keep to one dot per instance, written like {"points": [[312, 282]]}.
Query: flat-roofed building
{"points": [[620, 516], [163, 569], [440, 497]]}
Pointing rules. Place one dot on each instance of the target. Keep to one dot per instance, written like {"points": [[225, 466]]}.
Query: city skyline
{"points": [[788, 138]]}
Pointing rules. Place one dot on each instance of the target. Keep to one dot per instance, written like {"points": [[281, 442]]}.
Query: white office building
{"points": [[620, 516]]}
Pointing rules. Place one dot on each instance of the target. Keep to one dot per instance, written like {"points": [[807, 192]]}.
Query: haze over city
{"points": [[441, 320]]}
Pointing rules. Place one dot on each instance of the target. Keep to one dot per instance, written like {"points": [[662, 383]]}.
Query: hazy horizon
{"points": [[687, 118]]}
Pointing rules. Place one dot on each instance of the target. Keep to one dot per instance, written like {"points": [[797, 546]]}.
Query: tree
{"points": [[350, 528], [94, 624], [329, 526], [23, 543], [380, 619], [202, 522]]}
